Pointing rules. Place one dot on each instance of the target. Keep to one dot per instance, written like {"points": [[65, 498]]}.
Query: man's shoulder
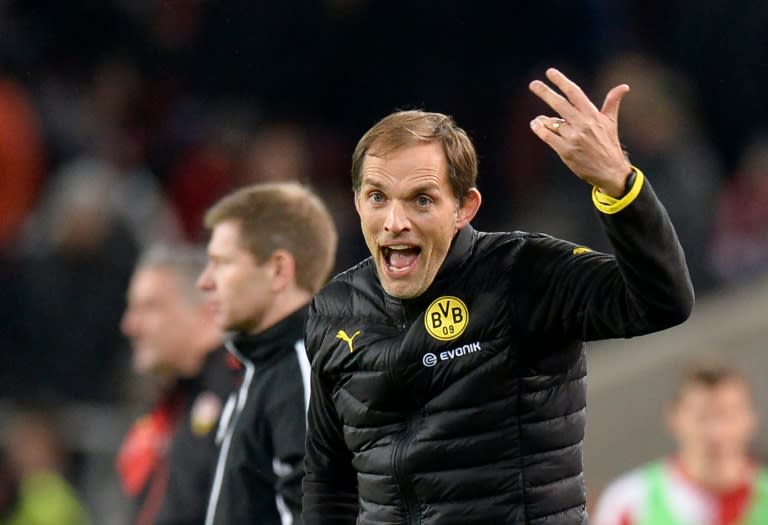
{"points": [[358, 275], [221, 372], [629, 483], [507, 241], [284, 378], [334, 298], [625, 497]]}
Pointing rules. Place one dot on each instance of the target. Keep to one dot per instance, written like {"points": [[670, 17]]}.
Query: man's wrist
{"points": [[630, 181], [619, 189], [610, 205]]}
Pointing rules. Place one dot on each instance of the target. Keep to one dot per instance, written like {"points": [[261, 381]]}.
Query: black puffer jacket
{"points": [[466, 405]]}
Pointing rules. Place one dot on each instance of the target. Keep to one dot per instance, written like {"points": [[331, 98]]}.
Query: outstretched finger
{"points": [[613, 102], [547, 129], [553, 99], [571, 90]]}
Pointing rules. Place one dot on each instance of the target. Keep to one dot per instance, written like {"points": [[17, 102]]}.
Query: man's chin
{"points": [[400, 289], [405, 287]]}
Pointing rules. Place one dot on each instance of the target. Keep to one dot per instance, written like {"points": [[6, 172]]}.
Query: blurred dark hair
{"points": [[709, 375]]}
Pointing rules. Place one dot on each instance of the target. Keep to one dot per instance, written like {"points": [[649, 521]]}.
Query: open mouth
{"points": [[400, 259]]}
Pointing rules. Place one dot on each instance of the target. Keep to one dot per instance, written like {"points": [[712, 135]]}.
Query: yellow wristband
{"points": [[610, 205]]}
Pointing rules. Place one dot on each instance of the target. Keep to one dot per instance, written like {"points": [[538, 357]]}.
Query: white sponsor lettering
{"points": [[431, 359]]}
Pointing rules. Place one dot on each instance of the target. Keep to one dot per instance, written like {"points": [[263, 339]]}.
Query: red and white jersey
{"points": [[627, 500]]}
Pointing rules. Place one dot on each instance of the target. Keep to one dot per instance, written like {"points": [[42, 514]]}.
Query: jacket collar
{"points": [[458, 253], [274, 340]]}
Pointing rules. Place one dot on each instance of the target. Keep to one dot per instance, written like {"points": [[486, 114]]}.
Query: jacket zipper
{"points": [[241, 397], [403, 480]]}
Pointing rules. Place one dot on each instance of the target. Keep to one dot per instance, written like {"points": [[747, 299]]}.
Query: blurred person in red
{"points": [[711, 478], [272, 247], [741, 240], [207, 169], [21, 159], [167, 459], [33, 486]]}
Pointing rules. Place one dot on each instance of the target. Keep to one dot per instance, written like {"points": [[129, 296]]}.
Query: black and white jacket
{"points": [[466, 405], [262, 429]]}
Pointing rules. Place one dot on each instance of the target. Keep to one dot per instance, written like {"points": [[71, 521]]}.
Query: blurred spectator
{"points": [[21, 158], [741, 242], [93, 109], [278, 152], [663, 137], [208, 168], [77, 258], [94, 125], [36, 491], [167, 459], [9, 489], [130, 193], [710, 479]]}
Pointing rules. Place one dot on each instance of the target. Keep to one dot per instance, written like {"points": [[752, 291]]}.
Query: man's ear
{"points": [[468, 208], [283, 265]]}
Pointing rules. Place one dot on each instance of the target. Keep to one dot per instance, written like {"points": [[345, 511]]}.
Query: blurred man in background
{"points": [[34, 489], [711, 478], [272, 247], [167, 459]]}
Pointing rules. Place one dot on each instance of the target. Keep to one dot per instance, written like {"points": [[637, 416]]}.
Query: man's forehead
{"points": [[703, 392], [227, 232], [417, 162]]}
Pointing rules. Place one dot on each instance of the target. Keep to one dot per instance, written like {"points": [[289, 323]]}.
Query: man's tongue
{"points": [[399, 259]]}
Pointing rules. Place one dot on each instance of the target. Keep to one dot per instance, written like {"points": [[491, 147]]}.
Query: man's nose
{"points": [[127, 323], [204, 282], [397, 218]]}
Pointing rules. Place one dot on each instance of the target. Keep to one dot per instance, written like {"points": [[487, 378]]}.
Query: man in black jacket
{"points": [[448, 372], [272, 247], [167, 458]]}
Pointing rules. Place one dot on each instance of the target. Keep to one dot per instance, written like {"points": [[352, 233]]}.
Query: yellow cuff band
{"points": [[609, 205]]}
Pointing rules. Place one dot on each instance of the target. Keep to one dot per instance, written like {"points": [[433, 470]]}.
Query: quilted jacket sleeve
{"points": [[573, 292], [330, 481]]}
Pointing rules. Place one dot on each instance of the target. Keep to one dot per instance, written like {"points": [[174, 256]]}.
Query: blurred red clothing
{"points": [[21, 158], [741, 241], [202, 176]]}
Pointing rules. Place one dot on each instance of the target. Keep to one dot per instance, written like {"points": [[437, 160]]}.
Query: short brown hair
{"points": [[283, 215], [710, 374], [405, 128]]}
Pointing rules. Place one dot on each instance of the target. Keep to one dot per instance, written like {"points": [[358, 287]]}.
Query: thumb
{"points": [[613, 101]]}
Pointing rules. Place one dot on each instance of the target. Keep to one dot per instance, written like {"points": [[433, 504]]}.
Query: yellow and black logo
{"points": [[341, 334], [446, 318]]}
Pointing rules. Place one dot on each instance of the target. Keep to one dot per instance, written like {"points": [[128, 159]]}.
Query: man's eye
{"points": [[376, 197], [423, 201]]}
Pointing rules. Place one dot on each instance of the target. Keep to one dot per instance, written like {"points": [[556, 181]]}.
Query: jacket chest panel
{"points": [[455, 347]]}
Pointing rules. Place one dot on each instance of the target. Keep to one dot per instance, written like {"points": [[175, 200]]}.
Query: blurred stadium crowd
{"points": [[121, 121]]}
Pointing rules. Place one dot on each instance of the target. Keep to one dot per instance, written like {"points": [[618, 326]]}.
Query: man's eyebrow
{"points": [[368, 182], [425, 187]]}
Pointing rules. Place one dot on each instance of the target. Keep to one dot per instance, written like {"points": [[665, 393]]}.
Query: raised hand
{"points": [[585, 138]]}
